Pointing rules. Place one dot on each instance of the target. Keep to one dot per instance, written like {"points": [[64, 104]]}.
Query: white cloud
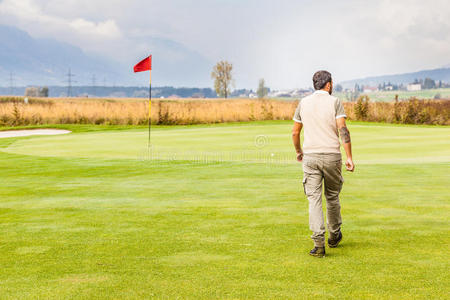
{"points": [[30, 14], [107, 29], [282, 41]]}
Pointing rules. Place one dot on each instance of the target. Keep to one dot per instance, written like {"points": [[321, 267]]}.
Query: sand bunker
{"points": [[28, 132]]}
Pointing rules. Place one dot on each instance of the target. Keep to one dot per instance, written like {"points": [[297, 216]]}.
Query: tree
{"points": [[362, 108], [429, 83], [43, 92], [222, 78], [338, 88], [262, 89]]}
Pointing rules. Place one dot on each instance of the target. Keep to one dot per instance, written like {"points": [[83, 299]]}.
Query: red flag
{"points": [[144, 65]]}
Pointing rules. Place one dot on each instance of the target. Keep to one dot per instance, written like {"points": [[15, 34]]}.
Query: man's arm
{"points": [[346, 142], [296, 139]]}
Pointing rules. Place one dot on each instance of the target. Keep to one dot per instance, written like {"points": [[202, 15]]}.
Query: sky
{"points": [[282, 41]]}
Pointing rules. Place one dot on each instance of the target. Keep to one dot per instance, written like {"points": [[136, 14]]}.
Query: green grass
{"points": [[85, 215]]}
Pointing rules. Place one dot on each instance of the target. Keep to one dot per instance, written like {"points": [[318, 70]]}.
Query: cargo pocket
{"points": [[341, 183], [304, 185]]}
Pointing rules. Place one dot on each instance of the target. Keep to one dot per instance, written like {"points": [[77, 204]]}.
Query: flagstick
{"points": [[150, 111]]}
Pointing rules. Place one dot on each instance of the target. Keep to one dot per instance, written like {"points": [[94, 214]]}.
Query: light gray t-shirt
{"points": [[318, 113]]}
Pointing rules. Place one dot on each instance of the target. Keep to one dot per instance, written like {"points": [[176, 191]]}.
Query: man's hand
{"points": [[346, 143], [349, 165], [300, 156]]}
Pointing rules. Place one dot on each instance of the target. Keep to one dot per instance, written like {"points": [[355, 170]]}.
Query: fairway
{"points": [[218, 212]]}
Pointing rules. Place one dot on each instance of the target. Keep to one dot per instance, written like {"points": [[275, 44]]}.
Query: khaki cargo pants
{"points": [[326, 168]]}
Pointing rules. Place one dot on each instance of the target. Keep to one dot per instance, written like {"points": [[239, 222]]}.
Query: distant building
{"points": [[34, 91], [369, 89], [198, 95], [414, 87], [141, 93], [241, 93], [283, 95], [287, 93], [299, 93]]}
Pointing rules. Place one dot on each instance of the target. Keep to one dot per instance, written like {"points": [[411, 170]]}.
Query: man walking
{"points": [[323, 118]]}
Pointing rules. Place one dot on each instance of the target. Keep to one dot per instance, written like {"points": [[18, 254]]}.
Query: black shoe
{"points": [[333, 243], [318, 252]]}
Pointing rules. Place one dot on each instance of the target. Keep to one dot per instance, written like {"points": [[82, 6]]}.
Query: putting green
{"points": [[372, 144], [83, 217]]}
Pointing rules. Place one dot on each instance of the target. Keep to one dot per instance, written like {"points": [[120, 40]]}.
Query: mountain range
{"points": [[36, 61], [43, 61], [442, 74]]}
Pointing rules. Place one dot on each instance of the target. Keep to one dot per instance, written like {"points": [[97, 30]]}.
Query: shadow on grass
{"points": [[340, 251]]}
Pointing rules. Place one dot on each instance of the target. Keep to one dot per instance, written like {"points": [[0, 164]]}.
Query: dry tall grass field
{"points": [[14, 112], [412, 111]]}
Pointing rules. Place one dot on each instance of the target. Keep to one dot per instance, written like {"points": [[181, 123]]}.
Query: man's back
{"points": [[318, 113], [322, 116]]}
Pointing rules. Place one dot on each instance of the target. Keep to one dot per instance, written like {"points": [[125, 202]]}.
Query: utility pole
{"points": [[11, 83], [69, 83], [93, 85], [104, 89]]}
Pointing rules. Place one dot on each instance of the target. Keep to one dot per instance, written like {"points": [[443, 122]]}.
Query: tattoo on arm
{"points": [[345, 135]]}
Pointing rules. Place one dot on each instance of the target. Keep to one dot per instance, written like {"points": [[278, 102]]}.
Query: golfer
{"points": [[323, 116]]}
